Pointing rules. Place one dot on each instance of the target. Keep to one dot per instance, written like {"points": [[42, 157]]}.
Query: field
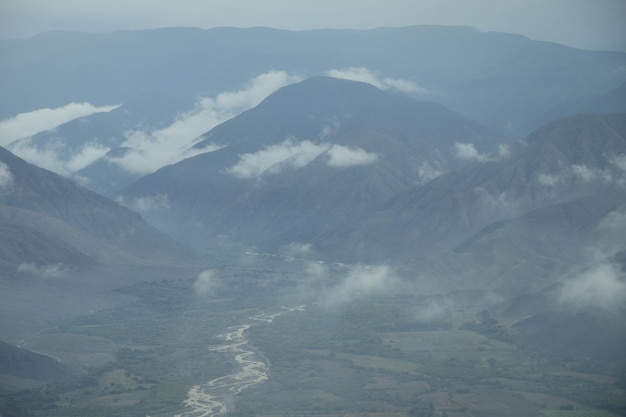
{"points": [[576, 413], [363, 358]]}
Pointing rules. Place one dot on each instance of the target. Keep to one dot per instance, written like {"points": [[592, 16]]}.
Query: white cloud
{"points": [[363, 281], [6, 178], [276, 158], [427, 173], [468, 152], [432, 311], [27, 124], [297, 249], [613, 174], [43, 271], [147, 203], [343, 157], [498, 201], [291, 154], [206, 284], [55, 157], [384, 83], [600, 288], [619, 162], [585, 173], [549, 180], [614, 221], [155, 149]]}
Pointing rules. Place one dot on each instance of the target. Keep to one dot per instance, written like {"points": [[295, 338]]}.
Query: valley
{"points": [[182, 353], [258, 222]]}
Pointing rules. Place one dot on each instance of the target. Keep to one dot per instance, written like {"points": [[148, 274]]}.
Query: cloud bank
{"points": [[56, 158], [384, 83], [362, 281], [292, 155], [427, 172], [602, 288], [6, 177], [27, 124], [43, 271], [468, 152], [343, 157], [206, 284], [613, 173], [146, 203], [151, 150]]}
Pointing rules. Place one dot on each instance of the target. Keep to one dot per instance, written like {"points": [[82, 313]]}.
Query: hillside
{"points": [[155, 91], [54, 220], [310, 158], [576, 157]]}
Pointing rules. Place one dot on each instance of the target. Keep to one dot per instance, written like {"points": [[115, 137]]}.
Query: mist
{"points": [[425, 220]]}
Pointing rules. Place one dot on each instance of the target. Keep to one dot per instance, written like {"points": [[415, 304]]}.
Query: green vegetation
{"points": [[364, 356], [576, 413]]}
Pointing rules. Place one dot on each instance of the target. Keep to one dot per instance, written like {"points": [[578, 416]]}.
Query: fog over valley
{"points": [[390, 219]]}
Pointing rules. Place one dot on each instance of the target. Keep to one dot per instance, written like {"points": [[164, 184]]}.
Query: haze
{"points": [[237, 209], [578, 23]]}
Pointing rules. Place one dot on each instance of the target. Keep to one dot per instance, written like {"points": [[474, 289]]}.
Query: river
{"points": [[213, 398]]}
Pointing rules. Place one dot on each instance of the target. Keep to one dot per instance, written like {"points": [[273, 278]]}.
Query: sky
{"points": [[588, 24]]}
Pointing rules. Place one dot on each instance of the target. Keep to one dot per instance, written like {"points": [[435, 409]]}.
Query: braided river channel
{"points": [[213, 398]]}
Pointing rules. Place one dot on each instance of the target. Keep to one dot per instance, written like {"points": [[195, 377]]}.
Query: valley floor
{"points": [[167, 352]]}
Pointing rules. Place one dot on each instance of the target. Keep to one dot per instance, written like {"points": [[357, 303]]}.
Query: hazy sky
{"points": [[592, 24]]}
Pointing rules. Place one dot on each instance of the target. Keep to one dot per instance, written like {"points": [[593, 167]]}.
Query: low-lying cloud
{"points": [[292, 155], [427, 172], [602, 288], [43, 271], [276, 158], [343, 157], [614, 173], [468, 152], [500, 201], [298, 250], [55, 157], [432, 311], [6, 177], [151, 150], [550, 180], [146, 204], [363, 281], [206, 284], [27, 124], [384, 83]]}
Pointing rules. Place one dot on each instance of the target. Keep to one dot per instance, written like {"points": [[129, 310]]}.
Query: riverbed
{"points": [[213, 398]]}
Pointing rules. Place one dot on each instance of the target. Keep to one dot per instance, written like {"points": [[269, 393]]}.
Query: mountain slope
{"points": [[30, 366], [52, 220], [166, 81], [501, 80], [570, 158], [312, 156]]}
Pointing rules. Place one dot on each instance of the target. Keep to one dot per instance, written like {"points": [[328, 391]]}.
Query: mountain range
{"points": [[63, 248], [464, 161], [150, 96], [310, 158]]}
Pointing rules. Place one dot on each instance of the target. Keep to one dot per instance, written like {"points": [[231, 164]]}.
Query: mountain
{"points": [[166, 83], [571, 158], [51, 220], [613, 101], [64, 248], [311, 157], [497, 79], [24, 368]]}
